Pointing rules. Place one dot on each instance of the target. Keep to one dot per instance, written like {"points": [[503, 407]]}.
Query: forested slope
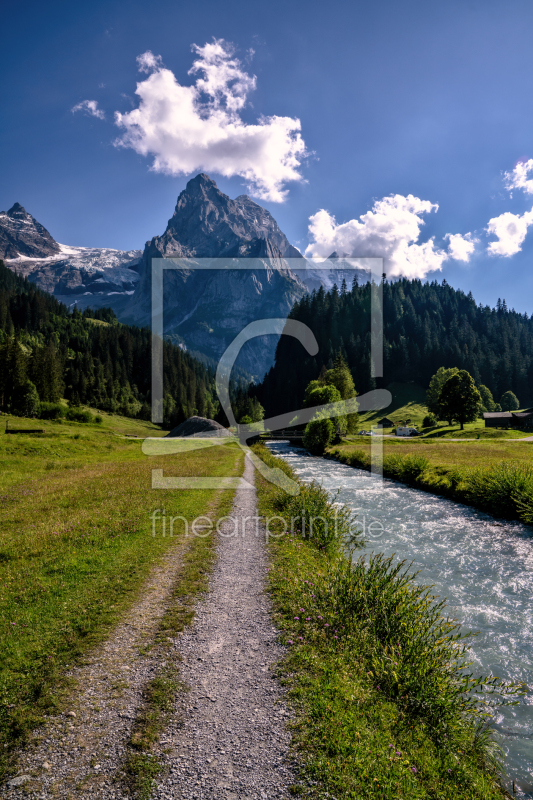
{"points": [[89, 358], [426, 326]]}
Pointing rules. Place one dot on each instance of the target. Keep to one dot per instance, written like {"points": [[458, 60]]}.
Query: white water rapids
{"points": [[482, 566]]}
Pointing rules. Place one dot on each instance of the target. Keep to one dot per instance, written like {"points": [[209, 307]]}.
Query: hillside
{"points": [[89, 358], [425, 326], [408, 402]]}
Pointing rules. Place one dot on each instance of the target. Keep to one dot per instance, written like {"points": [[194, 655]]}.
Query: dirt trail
{"points": [[234, 742], [227, 737]]}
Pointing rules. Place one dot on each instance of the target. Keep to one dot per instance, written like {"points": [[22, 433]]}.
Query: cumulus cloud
{"points": [[89, 107], [518, 178], [460, 247], [390, 230], [511, 230], [199, 128]]}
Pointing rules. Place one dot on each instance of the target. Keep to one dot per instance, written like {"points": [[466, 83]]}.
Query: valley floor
{"points": [[139, 665]]}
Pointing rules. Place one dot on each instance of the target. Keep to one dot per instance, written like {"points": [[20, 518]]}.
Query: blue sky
{"points": [[412, 98]]}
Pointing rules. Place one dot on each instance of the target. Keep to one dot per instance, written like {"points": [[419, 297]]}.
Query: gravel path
{"points": [[233, 742], [227, 737]]}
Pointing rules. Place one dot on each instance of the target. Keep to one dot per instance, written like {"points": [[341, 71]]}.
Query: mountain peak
{"points": [[208, 224], [17, 211], [202, 178], [22, 235]]}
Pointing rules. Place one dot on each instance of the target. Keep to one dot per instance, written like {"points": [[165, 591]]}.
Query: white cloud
{"points": [[390, 230], [511, 230], [518, 178], [460, 247], [198, 127], [90, 107], [148, 63]]}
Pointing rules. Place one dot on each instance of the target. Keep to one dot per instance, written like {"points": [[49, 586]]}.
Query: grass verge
{"points": [[385, 708]]}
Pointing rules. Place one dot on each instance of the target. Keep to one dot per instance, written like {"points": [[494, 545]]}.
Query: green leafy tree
{"points": [[509, 402], [459, 399], [318, 434], [486, 398], [433, 393], [429, 421], [319, 395], [341, 377]]}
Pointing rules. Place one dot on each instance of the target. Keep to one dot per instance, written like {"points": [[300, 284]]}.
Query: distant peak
{"points": [[201, 180], [17, 210]]}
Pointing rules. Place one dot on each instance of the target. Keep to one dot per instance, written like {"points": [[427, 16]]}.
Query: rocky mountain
{"points": [[206, 309], [203, 309], [208, 224], [91, 272], [22, 236]]}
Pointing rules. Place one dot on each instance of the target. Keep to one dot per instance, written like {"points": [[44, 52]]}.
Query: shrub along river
{"points": [[482, 566]]}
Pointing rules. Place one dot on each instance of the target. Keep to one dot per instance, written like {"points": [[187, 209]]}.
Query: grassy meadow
{"points": [[408, 402], [374, 668], [76, 544]]}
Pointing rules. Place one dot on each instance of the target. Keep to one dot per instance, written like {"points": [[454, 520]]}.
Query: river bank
{"points": [[481, 478], [367, 725]]}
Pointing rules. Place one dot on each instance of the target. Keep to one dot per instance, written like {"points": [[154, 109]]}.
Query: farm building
{"points": [[509, 419], [385, 422]]}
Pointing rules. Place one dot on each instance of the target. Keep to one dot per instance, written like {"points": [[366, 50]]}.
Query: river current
{"points": [[482, 566]]}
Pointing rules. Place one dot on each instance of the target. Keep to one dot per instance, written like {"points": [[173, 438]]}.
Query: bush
{"points": [[312, 514], [27, 401], [98, 419], [79, 415], [52, 411], [318, 434], [429, 421]]}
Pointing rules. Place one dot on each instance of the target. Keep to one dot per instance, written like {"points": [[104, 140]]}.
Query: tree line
{"points": [[48, 352]]}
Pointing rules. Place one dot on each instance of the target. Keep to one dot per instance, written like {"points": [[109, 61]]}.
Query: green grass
{"points": [[75, 548], [472, 430], [374, 668], [408, 402]]}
